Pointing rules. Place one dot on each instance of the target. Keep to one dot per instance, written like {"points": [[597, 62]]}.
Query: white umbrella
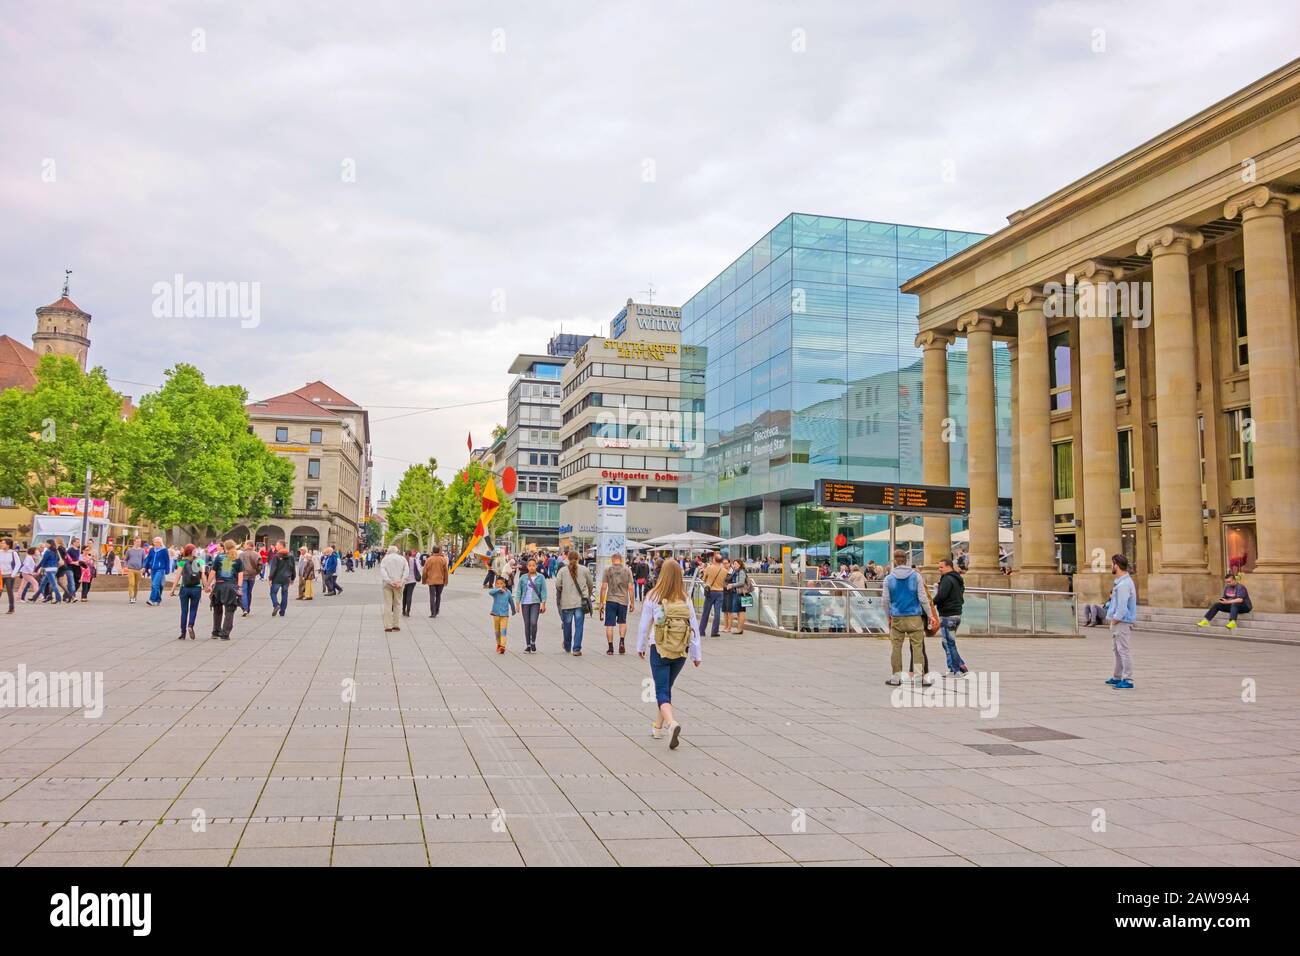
{"points": [[771, 537], [1005, 536], [692, 539], [743, 539], [662, 539], [903, 534]]}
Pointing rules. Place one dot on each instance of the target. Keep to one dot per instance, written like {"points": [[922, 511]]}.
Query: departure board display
{"points": [[891, 496]]}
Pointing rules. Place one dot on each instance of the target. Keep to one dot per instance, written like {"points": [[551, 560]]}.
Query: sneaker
{"points": [[925, 680], [191, 630], [1202, 623], [1231, 625], [894, 681], [675, 731], [655, 732], [621, 648], [1112, 681], [577, 653], [1123, 685], [225, 637], [182, 637]]}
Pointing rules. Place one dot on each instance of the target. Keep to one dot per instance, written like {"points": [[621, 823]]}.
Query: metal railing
{"points": [[836, 607]]}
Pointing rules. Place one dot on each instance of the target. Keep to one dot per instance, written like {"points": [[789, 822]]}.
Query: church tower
{"points": [[62, 328]]}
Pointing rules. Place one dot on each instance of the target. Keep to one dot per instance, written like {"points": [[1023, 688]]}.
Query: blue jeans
{"points": [[156, 587], [572, 620], [712, 599], [69, 583], [282, 591], [948, 631], [247, 602], [664, 673], [191, 598], [50, 580]]}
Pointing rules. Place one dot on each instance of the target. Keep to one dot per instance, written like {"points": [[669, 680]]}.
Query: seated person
{"points": [[1235, 600]]}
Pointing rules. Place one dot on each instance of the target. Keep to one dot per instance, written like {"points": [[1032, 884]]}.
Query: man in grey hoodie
{"points": [[906, 604]]}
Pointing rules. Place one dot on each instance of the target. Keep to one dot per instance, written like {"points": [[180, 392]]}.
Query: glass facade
{"points": [[802, 352]]}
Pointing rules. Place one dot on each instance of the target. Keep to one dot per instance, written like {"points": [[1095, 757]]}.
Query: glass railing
{"points": [[835, 607]]}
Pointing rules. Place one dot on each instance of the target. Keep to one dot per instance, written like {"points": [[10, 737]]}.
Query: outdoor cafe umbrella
{"points": [[903, 534], [1005, 536], [771, 537]]}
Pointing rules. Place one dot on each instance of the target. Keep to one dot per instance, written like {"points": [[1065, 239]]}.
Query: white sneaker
{"points": [[674, 730], [656, 732], [925, 680]]}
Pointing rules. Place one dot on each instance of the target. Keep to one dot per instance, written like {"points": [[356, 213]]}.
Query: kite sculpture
{"points": [[489, 502]]}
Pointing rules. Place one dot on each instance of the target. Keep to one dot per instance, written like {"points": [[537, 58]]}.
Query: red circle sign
{"points": [[509, 480], [841, 540]]}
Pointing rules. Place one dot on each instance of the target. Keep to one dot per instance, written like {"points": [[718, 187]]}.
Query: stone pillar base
{"points": [[1039, 581], [1197, 589], [1274, 592], [1093, 587], [985, 579]]}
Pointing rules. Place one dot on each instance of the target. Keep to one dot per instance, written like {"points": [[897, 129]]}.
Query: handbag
{"points": [[930, 622], [586, 602]]}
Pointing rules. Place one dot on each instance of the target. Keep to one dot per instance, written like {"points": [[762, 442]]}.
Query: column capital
{"points": [[1030, 298], [1261, 200], [1097, 270], [1170, 240], [979, 321], [933, 339]]}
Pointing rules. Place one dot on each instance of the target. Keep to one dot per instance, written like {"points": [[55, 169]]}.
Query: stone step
{"points": [[1194, 614], [1247, 623], [1211, 633]]}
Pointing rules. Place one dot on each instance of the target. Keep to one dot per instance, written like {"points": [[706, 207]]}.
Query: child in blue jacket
{"points": [[503, 605]]}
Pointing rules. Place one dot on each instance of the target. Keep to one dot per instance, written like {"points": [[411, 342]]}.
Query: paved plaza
{"points": [[318, 740]]}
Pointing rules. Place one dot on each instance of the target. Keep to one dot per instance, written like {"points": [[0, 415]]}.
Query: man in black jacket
{"points": [[948, 598], [282, 573]]}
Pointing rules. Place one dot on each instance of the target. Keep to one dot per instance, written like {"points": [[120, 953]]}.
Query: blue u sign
{"points": [[614, 496]]}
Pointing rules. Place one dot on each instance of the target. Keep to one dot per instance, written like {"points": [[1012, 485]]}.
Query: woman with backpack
{"points": [[225, 579], [675, 634], [189, 584], [737, 590]]}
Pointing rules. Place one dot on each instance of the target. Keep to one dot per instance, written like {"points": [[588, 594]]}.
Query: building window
{"points": [[316, 436], [1240, 546], [313, 468], [281, 433], [1058, 351], [313, 500], [1241, 450], [1239, 327], [1063, 470], [1126, 460], [1121, 363]]}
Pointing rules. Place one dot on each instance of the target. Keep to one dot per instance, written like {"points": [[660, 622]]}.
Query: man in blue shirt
{"points": [[1121, 612], [158, 563], [329, 566]]}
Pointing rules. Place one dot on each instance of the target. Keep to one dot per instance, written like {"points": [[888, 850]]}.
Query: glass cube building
{"points": [[802, 351]]}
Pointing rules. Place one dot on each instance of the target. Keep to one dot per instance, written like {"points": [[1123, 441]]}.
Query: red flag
{"points": [[469, 440]]}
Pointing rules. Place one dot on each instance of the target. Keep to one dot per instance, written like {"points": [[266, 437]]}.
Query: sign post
{"points": [[611, 525]]}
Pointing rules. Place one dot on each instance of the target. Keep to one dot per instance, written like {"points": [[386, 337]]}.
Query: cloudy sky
{"points": [[421, 191]]}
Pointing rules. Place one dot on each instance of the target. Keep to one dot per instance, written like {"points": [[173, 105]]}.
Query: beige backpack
{"points": [[673, 633]]}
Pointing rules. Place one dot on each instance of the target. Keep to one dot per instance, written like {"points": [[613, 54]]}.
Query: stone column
{"points": [[1184, 579], [1036, 560], [936, 437], [1096, 396], [982, 458], [1274, 401], [1013, 356]]}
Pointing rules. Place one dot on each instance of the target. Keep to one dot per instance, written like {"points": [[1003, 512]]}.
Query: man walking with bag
{"points": [[435, 576], [907, 606]]}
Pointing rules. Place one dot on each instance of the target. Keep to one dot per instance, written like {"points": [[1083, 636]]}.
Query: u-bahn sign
{"points": [[892, 496]]}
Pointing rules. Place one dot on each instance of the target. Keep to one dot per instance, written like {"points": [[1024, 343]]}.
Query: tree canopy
{"points": [[49, 435], [193, 460], [419, 505]]}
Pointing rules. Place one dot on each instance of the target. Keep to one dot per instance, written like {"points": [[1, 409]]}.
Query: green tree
{"points": [[418, 504], [372, 532], [50, 435], [464, 505], [193, 461], [498, 433]]}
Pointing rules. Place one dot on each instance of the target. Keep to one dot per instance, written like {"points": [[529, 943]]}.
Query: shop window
{"points": [[1240, 547]]}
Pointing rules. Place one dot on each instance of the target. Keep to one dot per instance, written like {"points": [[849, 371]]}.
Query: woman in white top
{"points": [[9, 565], [669, 588]]}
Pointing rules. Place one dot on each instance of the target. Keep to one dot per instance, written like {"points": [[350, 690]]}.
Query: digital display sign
{"points": [[893, 496]]}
